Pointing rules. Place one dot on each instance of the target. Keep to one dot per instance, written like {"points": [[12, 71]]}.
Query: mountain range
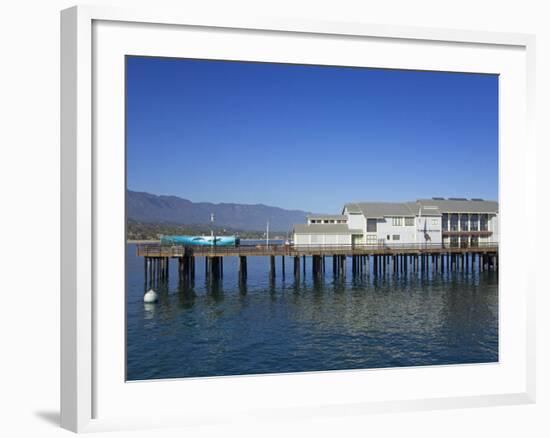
{"points": [[147, 207]]}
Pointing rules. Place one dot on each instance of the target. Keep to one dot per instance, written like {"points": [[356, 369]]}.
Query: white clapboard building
{"points": [[329, 229], [451, 222]]}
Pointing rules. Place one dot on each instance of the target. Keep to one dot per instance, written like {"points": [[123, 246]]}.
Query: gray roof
{"points": [[424, 210], [426, 207], [324, 229], [460, 206], [380, 210], [327, 216]]}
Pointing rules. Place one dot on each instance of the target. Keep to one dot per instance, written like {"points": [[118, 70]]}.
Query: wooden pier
{"points": [[365, 259]]}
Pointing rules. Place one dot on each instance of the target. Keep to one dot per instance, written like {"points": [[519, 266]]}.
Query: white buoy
{"points": [[150, 296]]}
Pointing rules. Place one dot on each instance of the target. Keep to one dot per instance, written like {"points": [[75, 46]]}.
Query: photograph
{"points": [[291, 218]]}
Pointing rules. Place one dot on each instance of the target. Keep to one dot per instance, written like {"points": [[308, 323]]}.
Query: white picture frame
{"points": [[83, 370]]}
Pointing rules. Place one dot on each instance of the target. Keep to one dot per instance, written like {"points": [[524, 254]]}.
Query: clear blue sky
{"points": [[308, 137]]}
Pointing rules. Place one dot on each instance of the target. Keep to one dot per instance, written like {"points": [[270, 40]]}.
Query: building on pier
{"points": [[453, 222], [427, 235]]}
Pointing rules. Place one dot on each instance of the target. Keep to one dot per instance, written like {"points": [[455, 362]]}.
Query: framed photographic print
{"points": [[283, 217]]}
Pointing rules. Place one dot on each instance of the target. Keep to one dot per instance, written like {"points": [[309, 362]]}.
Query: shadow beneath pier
{"points": [[243, 288], [186, 294], [214, 288]]}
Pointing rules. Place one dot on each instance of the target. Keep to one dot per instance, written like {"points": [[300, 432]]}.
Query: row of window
{"points": [[400, 221], [327, 221], [464, 222], [463, 243], [396, 222]]}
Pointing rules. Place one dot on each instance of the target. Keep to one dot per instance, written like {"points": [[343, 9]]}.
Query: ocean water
{"points": [[285, 326]]}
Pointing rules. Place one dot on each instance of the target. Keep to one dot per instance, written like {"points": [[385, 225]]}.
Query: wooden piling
{"points": [[272, 266], [243, 269], [367, 257], [297, 267], [145, 260], [343, 265], [317, 265]]}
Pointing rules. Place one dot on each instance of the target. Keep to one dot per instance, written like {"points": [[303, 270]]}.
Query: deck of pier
{"points": [[155, 250], [384, 258]]}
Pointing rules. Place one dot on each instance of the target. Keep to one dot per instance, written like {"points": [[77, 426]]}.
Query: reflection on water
{"points": [[268, 325]]}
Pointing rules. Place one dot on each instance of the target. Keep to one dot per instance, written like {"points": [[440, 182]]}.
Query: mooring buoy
{"points": [[150, 296]]}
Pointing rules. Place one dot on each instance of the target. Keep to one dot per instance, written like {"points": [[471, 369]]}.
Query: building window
{"points": [[409, 221], [464, 222], [454, 241], [445, 222], [483, 222], [474, 222], [454, 222], [396, 237], [388, 237], [397, 221], [371, 225], [371, 240]]}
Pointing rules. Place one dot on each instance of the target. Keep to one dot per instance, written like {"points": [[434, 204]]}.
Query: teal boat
{"points": [[200, 240]]}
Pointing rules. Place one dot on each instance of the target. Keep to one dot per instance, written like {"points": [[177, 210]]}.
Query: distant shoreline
{"points": [[144, 241]]}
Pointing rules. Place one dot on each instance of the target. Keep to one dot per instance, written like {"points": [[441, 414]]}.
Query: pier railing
{"points": [[157, 250]]}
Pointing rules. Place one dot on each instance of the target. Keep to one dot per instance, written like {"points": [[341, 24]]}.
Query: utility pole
{"points": [[212, 228]]}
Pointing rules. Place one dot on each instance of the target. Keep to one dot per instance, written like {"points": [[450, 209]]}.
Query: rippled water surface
{"points": [[326, 324]]}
